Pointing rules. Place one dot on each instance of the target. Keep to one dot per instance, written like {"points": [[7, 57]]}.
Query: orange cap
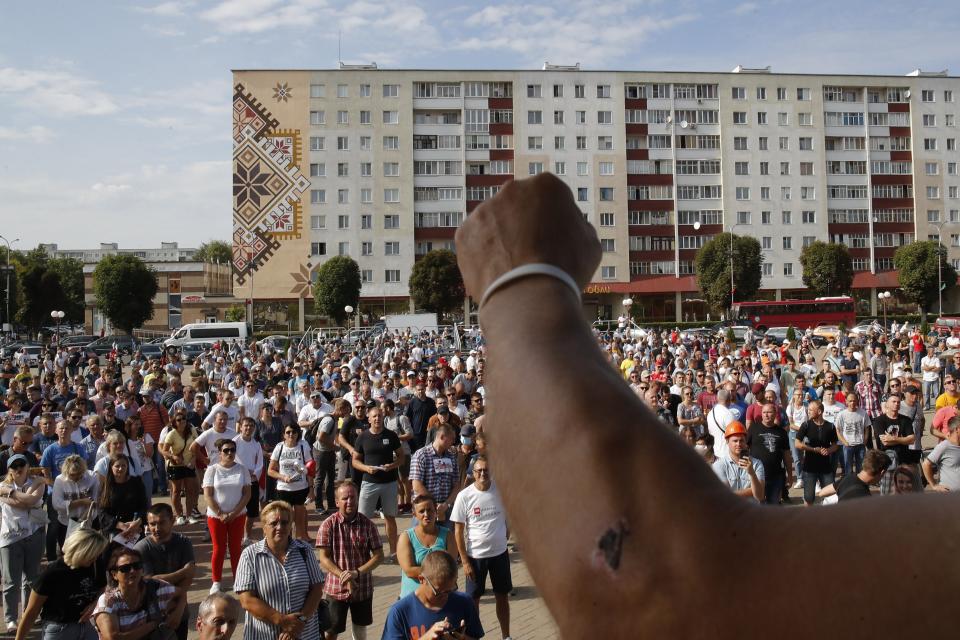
{"points": [[735, 428]]}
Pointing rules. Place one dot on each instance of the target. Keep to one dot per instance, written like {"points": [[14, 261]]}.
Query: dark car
{"points": [[191, 351], [151, 350], [11, 348], [76, 342], [126, 345]]}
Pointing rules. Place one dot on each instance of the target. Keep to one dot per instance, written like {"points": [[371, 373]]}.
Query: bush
{"points": [[791, 334], [731, 338]]}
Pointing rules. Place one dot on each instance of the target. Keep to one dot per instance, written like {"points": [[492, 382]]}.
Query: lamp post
{"points": [[939, 227], [6, 316], [349, 311], [884, 296], [58, 316], [627, 303]]}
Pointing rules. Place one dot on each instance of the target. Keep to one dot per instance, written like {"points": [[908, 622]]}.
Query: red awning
{"points": [[881, 280], [653, 284]]}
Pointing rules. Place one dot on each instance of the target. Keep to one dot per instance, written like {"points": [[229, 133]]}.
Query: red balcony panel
{"points": [[636, 129], [848, 227], [635, 103], [860, 253], [893, 227], [501, 154], [487, 180], [656, 283], [500, 103], [892, 203], [638, 154], [653, 255], [900, 132], [434, 233], [650, 178], [688, 254], [898, 107], [651, 229], [501, 128], [897, 179], [884, 252], [901, 156], [705, 230], [652, 205]]}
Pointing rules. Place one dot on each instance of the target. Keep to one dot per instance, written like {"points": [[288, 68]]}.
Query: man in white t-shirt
{"points": [[227, 406], [930, 365], [831, 408], [480, 522], [314, 411], [207, 441], [250, 401], [717, 420]]}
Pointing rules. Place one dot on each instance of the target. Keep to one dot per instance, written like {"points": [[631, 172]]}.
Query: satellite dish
{"points": [[906, 94], [684, 124], [669, 119]]}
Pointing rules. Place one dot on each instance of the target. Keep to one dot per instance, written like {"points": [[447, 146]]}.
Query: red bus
{"points": [[798, 314]]}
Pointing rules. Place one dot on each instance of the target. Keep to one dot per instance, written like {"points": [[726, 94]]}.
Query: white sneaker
{"points": [[215, 588], [11, 627], [193, 520], [180, 521], [798, 484]]}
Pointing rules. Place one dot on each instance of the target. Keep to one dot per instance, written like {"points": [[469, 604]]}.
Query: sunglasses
{"points": [[230, 450], [437, 592], [127, 568]]}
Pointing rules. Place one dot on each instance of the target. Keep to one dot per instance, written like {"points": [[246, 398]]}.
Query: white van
{"points": [[228, 332]]}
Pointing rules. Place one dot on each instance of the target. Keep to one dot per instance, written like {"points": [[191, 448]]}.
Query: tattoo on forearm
{"points": [[610, 545]]}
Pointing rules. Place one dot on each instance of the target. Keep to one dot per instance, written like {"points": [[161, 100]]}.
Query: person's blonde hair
{"points": [[72, 464], [116, 436], [83, 547], [276, 505]]}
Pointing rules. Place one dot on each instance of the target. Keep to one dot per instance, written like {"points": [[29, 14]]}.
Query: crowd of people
{"points": [[105, 465]]}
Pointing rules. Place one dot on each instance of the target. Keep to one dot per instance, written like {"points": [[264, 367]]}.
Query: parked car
{"points": [[945, 326], [191, 351], [864, 328], [777, 335], [827, 331], [151, 350], [12, 348], [76, 342], [126, 345]]}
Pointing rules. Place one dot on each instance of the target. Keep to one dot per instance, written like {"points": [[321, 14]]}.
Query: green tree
{"points": [[69, 272], [338, 285], [125, 286], [435, 282], [916, 266], [14, 281], [235, 313], [214, 251], [827, 268], [713, 265], [792, 334]]}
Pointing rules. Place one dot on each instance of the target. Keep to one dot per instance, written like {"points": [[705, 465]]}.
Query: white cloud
{"points": [[57, 93], [36, 133], [745, 8], [257, 16], [165, 32], [166, 9], [100, 187]]}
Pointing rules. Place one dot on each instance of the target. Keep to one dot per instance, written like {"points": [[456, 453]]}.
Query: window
{"points": [[391, 275], [533, 91], [929, 144], [742, 168], [948, 120], [764, 217], [391, 248], [788, 269], [535, 143], [603, 91], [318, 169], [951, 144], [781, 93], [608, 273], [786, 217], [806, 144], [762, 143], [343, 248], [927, 95], [343, 143], [761, 117], [316, 91], [318, 248], [948, 95], [740, 143], [558, 143], [608, 245], [317, 118], [366, 195], [761, 93], [806, 168], [764, 193], [343, 221], [391, 90], [342, 91], [743, 193], [803, 93], [560, 168], [606, 194], [364, 91], [366, 248], [534, 117], [805, 119], [606, 168], [606, 219], [933, 215], [951, 168], [785, 193], [744, 217], [738, 93], [808, 193], [579, 91], [766, 242], [391, 195], [580, 117], [739, 117], [933, 193], [767, 268], [583, 194], [784, 143], [787, 243], [809, 217], [391, 221], [534, 168], [316, 143], [366, 275], [391, 117], [604, 117], [343, 170], [558, 117], [343, 117], [583, 168], [318, 196], [366, 221], [783, 118], [558, 91], [581, 142], [931, 168], [364, 117], [605, 143], [929, 120], [318, 222], [784, 168]]}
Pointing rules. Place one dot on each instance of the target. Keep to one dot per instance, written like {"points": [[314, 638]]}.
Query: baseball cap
{"points": [[444, 410], [335, 376], [316, 394], [411, 373]]}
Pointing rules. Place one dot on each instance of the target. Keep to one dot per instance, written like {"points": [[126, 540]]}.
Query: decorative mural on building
{"points": [[267, 184]]}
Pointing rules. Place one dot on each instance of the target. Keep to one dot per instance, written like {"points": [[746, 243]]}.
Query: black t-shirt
{"points": [[69, 591], [849, 364], [351, 429], [852, 487], [767, 445], [161, 559], [817, 436], [377, 450], [900, 426]]}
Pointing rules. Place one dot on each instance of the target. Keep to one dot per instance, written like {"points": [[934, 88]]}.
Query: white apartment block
{"points": [[659, 163], [167, 252]]}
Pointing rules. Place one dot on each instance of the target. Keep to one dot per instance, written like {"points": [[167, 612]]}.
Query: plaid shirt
{"points": [[869, 398], [351, 544], [438, 472]]}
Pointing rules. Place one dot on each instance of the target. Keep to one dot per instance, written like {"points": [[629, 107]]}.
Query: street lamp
{"points": [[884, 296], [349, 311], [627, 303], [7, 316], [58, 316]]}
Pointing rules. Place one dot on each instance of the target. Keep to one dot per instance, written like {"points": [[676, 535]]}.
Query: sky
{"points": [[115, 116]]}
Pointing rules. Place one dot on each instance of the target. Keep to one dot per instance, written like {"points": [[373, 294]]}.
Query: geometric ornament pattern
{"points": [[267, 184]]}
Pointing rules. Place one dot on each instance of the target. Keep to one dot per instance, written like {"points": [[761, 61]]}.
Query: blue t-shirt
{"points": [[408, 618], [54, 455]]}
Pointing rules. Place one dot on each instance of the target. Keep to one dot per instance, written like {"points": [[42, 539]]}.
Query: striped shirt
{"points": [[437, 472], [351, 544], [283, 587], [112, 602]]}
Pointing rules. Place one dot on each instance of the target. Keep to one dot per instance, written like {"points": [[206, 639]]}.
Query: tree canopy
{"points": [[214, 251], [827, 268], [125, 286], [713, 265], [916, 266], [338, 285], [435, 282]]}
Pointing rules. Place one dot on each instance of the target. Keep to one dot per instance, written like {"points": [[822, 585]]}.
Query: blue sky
{"points": [[115, 116]]}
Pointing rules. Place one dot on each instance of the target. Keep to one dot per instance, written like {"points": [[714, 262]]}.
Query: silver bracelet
{"points": [[524, 270]]}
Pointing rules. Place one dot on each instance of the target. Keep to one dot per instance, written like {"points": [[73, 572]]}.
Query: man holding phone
{"points": [[737, 469]]}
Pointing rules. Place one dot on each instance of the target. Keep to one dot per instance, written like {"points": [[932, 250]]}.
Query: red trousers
{"points": [[224, 535]]}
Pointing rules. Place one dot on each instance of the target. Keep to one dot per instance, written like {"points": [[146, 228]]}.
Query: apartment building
{"points": [[384, 165]]}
